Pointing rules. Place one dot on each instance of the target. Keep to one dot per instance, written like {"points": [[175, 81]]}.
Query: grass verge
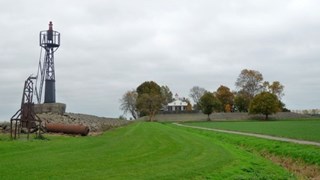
{"points": [[296, 129], [138, 151], [303, 160]]}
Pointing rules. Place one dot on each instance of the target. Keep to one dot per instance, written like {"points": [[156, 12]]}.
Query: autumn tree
{"points": [[196, 93], [208, 103], [275, 88], [241, 101], [189, 106], [149, 87], [250, 82], [226, 97], [228, 108], [264, 103], [150, 99], [149, 104], [167, 94], [128, 103]]}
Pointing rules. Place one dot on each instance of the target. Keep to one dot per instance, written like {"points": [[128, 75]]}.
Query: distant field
{"points": [[297, 129], [138, 151]]}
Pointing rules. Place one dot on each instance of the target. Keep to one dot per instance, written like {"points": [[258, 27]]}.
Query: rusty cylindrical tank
{"points": [[67, 129]]}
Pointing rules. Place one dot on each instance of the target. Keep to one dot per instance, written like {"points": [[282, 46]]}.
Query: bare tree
{"points": [[128, 103], [196, 93]]}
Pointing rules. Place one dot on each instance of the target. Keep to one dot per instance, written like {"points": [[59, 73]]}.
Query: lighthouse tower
{"points": [[50, 42]]}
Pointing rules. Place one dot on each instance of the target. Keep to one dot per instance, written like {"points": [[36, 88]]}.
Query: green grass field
{"points": [[297, 129], [138, 151]]}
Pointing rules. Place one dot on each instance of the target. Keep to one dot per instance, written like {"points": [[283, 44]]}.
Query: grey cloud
{"points": [[109, 47]]}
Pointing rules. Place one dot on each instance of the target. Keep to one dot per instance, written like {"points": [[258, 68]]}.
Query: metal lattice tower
{"points": [[50, 42], [26, 117]]}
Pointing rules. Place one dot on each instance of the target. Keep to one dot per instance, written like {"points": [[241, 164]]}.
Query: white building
{"points": [[177, 105]]}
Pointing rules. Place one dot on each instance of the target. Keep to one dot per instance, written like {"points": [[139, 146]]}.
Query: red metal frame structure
{"points": [[25, 117]]}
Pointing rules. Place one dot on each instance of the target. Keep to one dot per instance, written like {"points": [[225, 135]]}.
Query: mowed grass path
{"points": [[137, 151], [296, 129]]}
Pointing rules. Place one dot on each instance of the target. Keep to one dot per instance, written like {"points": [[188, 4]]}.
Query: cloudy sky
{"points": [[111, 46]]}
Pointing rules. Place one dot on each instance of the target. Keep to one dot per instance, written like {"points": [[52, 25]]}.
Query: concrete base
{"points": [[54, 108]]}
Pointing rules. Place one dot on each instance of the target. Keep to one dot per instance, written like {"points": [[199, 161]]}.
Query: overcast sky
{"points": [[109, 47]]}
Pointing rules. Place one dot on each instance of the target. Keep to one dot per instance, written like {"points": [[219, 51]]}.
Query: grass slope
{"points": [[307, 153], [302, 129], [137, 151]]}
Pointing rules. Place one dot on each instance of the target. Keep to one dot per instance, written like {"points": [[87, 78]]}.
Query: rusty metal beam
{"points": [[67, 129]]}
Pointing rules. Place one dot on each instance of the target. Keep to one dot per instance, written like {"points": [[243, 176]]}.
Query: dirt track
{"points": [[255, 135]]}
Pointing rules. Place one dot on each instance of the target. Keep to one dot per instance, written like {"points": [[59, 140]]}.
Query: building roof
{"points": [[177, 103]]}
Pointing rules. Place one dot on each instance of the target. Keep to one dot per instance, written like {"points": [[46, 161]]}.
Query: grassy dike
{"points": [[138, 151]]}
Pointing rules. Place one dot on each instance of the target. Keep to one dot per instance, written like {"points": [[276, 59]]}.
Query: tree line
{"points": [[253, 95]]}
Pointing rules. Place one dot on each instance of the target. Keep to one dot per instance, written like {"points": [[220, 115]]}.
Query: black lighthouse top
{"points": [[49, 38]]}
